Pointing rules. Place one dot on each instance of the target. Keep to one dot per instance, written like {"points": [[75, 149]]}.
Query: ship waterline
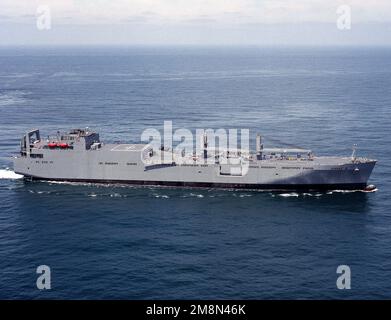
{"points": [[80, 156]]}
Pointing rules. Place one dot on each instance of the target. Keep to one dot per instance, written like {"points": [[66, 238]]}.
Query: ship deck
{"points": [[125, 147]]}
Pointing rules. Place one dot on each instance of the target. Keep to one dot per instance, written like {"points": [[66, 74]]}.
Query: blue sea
{"points": [[122, 242]]}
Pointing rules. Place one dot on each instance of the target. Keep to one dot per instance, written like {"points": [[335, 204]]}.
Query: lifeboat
{"points": [[52, 145], [63, 145]]}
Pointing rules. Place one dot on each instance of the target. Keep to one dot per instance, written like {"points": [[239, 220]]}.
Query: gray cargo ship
{"points": [[80, 156]]}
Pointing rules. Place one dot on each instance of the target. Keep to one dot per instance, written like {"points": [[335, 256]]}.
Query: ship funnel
{"points": [[259, 146]]}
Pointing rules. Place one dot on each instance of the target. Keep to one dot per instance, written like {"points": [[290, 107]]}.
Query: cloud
{"points": [[194, 21], [198, 11], [136, 19]]}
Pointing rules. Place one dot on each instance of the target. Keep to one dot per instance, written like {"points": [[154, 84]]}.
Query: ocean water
{"points": [[122, 242]]}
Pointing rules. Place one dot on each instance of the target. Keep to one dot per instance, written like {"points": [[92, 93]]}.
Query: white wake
{"points": [[9, 174]]}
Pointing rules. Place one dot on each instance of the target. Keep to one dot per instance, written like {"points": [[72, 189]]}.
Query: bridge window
{"points": [[36, 155]]}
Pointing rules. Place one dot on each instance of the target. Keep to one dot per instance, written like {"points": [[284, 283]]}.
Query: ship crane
{"points": [[354, 149]]}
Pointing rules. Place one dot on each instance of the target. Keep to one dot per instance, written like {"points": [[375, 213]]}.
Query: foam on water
{"points": [[13, 97], [291, 194], [162, 196], [9, 174]]}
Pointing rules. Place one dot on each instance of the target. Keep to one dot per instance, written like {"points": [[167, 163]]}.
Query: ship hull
{"points": [[182, 184]]}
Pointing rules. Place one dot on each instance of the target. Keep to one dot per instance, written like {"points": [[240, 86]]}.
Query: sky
{"points": [[195, 22]]}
